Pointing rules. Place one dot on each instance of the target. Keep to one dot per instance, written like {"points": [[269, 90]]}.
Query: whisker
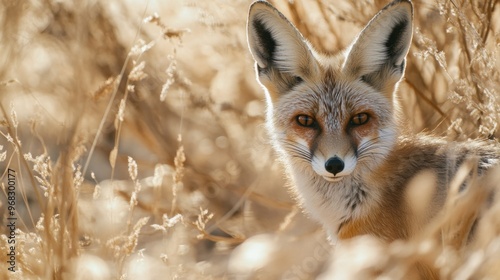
{"points": [[297, 150], [373, 148]]}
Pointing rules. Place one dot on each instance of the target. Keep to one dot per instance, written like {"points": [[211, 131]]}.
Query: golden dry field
{"points": [[133, 145]]}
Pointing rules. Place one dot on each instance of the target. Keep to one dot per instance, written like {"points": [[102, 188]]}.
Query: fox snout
{"points": [[334, 168]]}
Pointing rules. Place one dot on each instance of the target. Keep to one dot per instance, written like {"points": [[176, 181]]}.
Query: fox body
{"points": [[334, 120]]}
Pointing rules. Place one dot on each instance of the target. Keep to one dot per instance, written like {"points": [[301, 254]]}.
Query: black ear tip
{"points": [[401, 4], [409, 6], [260, 3]]}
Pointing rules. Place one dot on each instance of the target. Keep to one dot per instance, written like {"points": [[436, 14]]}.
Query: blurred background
{"points": [[136, 130]]}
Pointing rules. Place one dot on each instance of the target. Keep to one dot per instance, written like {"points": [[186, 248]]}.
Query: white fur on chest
{"points": [[331, 202]]}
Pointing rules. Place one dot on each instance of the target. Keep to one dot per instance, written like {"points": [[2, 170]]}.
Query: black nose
{"points": [[334, 165]]}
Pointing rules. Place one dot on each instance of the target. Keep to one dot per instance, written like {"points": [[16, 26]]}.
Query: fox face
{"points": [[335, 128], [332, 118]]}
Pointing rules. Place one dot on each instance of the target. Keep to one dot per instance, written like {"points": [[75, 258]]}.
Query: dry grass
{"points": [[135, 129]]}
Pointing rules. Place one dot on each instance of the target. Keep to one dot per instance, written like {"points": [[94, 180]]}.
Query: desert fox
{"points": [[334, 121]]}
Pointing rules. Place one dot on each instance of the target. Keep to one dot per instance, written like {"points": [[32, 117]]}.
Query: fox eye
{"points": [[359, 119], [305, 120]]}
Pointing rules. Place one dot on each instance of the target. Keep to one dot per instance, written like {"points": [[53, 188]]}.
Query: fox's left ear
{"points": [[378, 53]]}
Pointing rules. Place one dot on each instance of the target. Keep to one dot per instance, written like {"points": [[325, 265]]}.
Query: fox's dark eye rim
{"points": [[359, 119], [305, 120]]}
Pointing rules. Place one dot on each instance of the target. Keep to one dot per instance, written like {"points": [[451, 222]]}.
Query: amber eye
{"points": [[360, 119], [304, 120]]}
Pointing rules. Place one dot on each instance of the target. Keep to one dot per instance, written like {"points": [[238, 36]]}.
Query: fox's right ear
{"points": [[283, 58]]}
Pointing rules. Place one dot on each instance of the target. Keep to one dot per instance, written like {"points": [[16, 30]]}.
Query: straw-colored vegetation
{"points": [[135, 131]]}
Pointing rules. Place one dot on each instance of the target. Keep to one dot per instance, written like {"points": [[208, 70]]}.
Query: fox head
{"points": [[331, 117]]}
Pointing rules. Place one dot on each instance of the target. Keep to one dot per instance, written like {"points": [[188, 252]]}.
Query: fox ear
{"points": [[378, 53], [281, 53]]}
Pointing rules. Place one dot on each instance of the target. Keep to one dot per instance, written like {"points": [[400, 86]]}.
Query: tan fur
{"points": [[354, 178]]}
